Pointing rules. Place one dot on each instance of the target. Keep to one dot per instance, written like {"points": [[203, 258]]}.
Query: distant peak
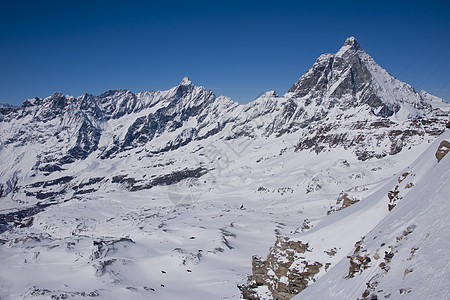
{"points": [[185, 81], [270, 94], [351, 41], [6, 105], [57, 95]]}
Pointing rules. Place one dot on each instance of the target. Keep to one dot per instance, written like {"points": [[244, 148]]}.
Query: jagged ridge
{"points": [[345, 100]]}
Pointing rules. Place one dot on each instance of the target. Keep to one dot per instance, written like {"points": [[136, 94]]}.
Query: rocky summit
{"points": [[163, 194]]}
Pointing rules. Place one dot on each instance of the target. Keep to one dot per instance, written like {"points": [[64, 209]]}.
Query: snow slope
{"points": [[415, 234], [117, 244]]}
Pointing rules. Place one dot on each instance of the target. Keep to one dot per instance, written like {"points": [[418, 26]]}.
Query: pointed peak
{"points": [[351, 44], [57, 95], [185, 81], [269, 94], [86, 95], [351, 41]]}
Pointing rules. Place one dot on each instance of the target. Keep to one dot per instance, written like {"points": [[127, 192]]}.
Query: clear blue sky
{"points": [[235, 48]]}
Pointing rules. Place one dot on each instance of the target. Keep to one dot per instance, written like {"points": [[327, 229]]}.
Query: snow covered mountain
{"points": [[133, 191]]}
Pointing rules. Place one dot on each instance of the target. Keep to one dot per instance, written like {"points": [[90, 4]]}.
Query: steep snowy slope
{"points": [[352, 251], [194, 239], [405, 255]]}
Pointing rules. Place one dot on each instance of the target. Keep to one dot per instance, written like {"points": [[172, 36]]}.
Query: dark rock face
{"points": [[45, 184], [356, 135], [89, 182], [87, 141], [140, 132], [168, 179], [117, 103], [21, 218], [344, 79]]}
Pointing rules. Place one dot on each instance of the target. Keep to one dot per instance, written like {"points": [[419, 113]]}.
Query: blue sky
{"points": [[235, 48]]}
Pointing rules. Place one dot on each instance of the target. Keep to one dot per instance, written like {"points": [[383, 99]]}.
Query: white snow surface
{"points": [[201, 247], [419, 267]]}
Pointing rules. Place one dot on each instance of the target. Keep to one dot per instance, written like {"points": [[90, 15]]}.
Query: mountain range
{"points": [[180, 193]]}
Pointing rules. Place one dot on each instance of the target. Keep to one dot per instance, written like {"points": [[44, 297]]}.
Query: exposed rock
{"points": [[359, 260], [189, 257], [58, 181], [442, 150], [370, 292], [405, 291], [408, 231], [402, 177], [343, 201], [331, 252], [306, 225], [89, 182], [21, 218], [409, 185], [59, 294], [393, 196], [168, 179], [282, 272], [106, 247]]}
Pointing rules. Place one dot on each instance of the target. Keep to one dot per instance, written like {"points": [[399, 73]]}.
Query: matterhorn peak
{"points": [[185, 81], [351, 41], [350, 44]]}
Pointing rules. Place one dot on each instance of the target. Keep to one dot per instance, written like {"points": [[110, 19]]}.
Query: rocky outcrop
{"points": [[343, 201], [442, 150], [367, 137], [283, 272], [21, 218], [378, 261], [103, 254], [133, 184]]}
